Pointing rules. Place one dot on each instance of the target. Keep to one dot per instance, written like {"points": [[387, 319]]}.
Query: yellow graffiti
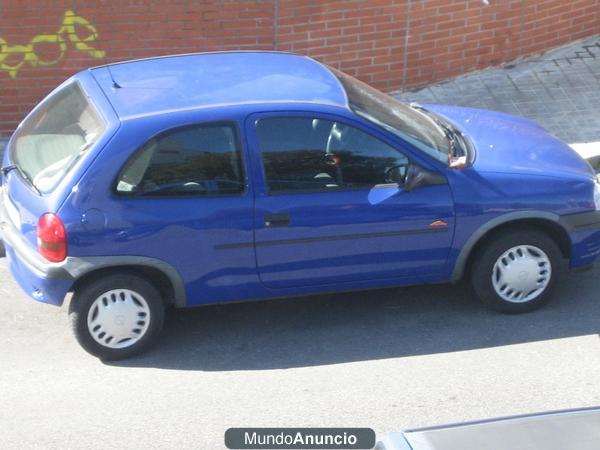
{"points": [[67, 34]]}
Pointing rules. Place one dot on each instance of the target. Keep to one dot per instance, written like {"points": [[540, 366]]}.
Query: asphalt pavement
{"points": [[387, 359]]}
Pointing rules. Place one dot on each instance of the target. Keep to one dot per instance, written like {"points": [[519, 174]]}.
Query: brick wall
{"points": [[390, 43]]}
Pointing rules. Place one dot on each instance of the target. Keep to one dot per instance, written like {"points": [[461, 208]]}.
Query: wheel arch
{"points": [[161, 274], [547, 222]]}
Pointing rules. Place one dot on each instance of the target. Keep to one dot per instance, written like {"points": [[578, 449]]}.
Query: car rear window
{"points": [[51, 140], [194, 160]]}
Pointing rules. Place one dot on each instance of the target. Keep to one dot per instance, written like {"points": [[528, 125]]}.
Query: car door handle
{"points": [[277, 220]]}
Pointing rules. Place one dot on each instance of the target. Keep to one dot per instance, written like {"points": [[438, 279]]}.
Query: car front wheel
{"points": [[516, 271], [116, 316]]}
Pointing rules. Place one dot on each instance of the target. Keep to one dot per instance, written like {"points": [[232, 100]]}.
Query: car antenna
{"points": [[114, 82]]}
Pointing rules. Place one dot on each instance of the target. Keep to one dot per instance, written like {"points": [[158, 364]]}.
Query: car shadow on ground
{"points": [[341, 328]]}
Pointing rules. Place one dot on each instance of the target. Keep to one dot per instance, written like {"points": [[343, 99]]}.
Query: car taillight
{"points": [[52, 238]]}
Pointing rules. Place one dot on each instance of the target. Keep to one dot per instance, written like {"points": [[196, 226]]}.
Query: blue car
{"points": [[198, 179]]}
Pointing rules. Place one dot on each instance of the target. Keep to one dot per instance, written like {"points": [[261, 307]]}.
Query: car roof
{"points": [[203, 80]]}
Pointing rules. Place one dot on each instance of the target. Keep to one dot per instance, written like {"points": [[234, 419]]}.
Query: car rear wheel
{"points": [[116, 316], [516, 271]]}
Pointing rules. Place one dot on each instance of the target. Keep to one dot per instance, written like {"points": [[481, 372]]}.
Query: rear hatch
{"points": [[51, 149]]}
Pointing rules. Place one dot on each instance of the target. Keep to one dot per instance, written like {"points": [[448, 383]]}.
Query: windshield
{"points": [[395, 116], [49, 142]]}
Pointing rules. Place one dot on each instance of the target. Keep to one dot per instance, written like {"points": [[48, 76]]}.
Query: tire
{"points": [[516, 271], [116, 316]]}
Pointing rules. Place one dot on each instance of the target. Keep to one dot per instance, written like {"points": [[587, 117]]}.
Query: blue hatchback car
{"points": [[197, 179]]}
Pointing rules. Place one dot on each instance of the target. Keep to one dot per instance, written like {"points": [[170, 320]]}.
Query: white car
{"points": [[558, 430]]}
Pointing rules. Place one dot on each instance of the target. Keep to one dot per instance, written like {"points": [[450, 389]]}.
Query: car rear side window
{"points": [[51, 140], [189, 161], [311, 154]]}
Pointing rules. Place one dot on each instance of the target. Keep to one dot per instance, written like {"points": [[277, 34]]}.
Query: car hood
{"points": [[512, 144]]}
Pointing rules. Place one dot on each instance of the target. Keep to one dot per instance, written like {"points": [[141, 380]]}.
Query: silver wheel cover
{"points": [[521, 274], [118, 318]]}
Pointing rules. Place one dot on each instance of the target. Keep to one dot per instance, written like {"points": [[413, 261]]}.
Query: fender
{"points": [[76, 267], [467, 248]]}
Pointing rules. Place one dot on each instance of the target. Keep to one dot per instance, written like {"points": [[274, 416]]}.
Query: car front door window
{"points": [[310, 154]]}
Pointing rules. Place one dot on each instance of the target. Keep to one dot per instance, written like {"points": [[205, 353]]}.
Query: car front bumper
{"points": [[584, 233]]}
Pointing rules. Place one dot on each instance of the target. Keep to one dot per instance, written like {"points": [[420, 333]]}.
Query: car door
{"points": [[326, 211]]}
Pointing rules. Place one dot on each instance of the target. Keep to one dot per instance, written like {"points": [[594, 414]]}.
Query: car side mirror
{"points": [[397, 174], [417, 176]]}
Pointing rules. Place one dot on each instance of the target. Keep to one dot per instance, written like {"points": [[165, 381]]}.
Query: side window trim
{"points": [[235, 127], [251, 128]]}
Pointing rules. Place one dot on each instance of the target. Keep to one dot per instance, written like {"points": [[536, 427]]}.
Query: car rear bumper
{"points": [[45, 287], [584, 232], [40, 279]]}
